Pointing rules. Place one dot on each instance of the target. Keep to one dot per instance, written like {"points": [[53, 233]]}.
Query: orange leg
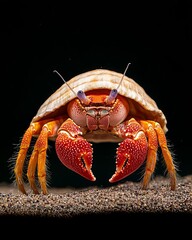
{"points": [[166, 153], [38, 157], [31, 170], [152, 152], [33, 129], [38, 154]]}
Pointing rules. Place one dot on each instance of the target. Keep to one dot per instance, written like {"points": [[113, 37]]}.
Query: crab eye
{"points": [[83, 98], [103, 112], [112, 96], [91, 112]]}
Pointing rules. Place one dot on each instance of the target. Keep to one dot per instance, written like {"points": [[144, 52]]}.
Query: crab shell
{"points": [[140, 103]]}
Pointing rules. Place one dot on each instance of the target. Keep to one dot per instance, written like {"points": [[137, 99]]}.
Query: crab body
{"points": [[96, 106]]}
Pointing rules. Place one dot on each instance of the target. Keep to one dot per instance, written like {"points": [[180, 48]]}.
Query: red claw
{"points": [[131, 154], [74, 151]]}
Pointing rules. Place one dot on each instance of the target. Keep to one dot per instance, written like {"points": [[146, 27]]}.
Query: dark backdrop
{"points": [[36, 39]]}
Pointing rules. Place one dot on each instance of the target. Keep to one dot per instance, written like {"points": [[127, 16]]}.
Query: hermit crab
{"points": [[96, 106]]}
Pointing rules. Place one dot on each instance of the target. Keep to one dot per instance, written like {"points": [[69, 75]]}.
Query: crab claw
{"points": [[74, 151], [131, 153]]}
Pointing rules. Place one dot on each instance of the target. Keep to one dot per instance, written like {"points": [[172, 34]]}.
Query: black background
{"points": [[39, 38]]}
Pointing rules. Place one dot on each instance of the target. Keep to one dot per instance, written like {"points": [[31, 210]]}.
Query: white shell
{"points": [[138, 99]]}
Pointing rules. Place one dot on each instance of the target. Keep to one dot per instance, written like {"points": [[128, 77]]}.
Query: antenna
{"points": [[114, 92], [55, 71], [80, 94], [123, 75]]}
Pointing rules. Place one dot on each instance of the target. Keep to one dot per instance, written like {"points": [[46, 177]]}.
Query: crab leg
{"points": [[165, 151], [73, 150], [38, 157], [152, 152], [33, 129], [132, 151], [32, 169]]}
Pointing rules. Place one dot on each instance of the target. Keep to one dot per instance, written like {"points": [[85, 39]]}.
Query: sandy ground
{"points": [[104, 204], [126, 199]]}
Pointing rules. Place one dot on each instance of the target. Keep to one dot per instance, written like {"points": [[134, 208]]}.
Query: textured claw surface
{"points": [[130, 155], [76, 154]]}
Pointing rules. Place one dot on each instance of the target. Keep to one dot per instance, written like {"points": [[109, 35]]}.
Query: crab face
{"points": [[96, 106], [98, 113]]}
